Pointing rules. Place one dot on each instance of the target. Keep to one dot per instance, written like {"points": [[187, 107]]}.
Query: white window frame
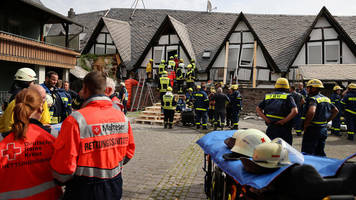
{"points": [[334, 43], [245, 46], [313, 44], [238, 54]]}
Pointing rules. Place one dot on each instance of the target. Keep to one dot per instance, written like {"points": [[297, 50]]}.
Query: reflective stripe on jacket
{"points": [[349, 102], [164, 83], [93, 141], [168, 102], [323, 109], [25, 169]]}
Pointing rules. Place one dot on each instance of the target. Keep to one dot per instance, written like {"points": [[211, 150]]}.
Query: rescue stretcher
{"points": [[227, 180]]}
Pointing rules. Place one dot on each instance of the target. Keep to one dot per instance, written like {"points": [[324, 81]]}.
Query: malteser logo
{"points": [[11, 151], [96, 129]]}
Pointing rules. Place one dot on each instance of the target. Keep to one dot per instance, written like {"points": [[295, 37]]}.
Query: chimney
{"points": [[71, 13]]}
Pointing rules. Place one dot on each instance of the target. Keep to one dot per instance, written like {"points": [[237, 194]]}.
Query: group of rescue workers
{"points": [[86, 156]]}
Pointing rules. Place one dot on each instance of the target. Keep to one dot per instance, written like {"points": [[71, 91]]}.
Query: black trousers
{"points": [[220, 118], [180, 86], [168, 116], [284, 132], [161, 97]]}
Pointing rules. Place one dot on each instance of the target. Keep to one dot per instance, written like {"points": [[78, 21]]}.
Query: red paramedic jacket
{"points": [[25, 171], [93, 142]]}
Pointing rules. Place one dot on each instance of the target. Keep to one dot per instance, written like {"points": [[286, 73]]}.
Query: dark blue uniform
{"points": [[349, 106], [297, 121], [236, 105], [315, 135], [277, 106], [201, 106], [335, 127]]}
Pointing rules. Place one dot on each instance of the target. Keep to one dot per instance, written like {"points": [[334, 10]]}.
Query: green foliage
{"points": [[86, 61]]}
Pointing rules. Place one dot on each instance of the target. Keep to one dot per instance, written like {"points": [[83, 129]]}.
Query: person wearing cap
{"points": [[318, 111], [190, 77], [123, 96], [169, 106], [349, 105], [192, 62], [161, 68], [221, 100], [236, 105], [149, 68], [164, 82], [180, 76], [171, 64], [278, 109], [201, 106], [189, 97], [24, 77], [335, 99], [62, 101], [299, 101]]}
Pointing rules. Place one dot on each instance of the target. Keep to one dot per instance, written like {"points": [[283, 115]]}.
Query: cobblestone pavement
{"points": [[168, 163]]}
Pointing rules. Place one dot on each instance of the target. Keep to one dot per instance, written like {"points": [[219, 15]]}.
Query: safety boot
{"points": [[165, 125], [215, 127], [235, 127], [170, 126], [205, 128], [198, 126]]}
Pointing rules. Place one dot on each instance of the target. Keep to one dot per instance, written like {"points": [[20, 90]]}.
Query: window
{"points": [[206, 54], [174, 39], [101, 38], [314, 54], [82, 35], [331, 53], [110, 49], [99, 49], [233, 58], [246, 56], [244, 74], [158, 55], [109, 39], [163, 39], [235, 38]]}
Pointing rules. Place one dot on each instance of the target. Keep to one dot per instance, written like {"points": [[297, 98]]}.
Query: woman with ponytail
{"points": [[25, 153]]}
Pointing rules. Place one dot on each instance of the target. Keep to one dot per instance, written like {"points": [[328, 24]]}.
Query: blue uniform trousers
{"points": [[351, 124], [314, 140], [336, 123], [235, 117], [285, 132], [201, 118], [88, 188], [298, 123]]}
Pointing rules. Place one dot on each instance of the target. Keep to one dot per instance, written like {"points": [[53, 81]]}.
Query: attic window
{"points": [[206, 54]]}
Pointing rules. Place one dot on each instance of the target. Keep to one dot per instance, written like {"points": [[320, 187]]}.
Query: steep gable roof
{"points": [[120, 32]]}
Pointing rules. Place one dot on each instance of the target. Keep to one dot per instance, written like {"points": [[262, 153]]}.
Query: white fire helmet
{"points": [[247, 140], [25, 74]]}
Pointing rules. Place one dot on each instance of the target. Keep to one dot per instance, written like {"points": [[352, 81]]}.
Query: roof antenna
{"points": [[209, 7], [134, 6]]}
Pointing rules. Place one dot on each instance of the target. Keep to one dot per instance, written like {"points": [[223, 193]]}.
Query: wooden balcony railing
{"points": [[19, 49]]}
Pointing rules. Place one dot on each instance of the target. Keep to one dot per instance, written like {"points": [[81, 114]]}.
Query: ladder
{"points": [[138, 102]]}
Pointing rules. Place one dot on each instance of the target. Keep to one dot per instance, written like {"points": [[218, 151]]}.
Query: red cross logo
{"points": [[11, 151], [96, 129], [263, 140]]}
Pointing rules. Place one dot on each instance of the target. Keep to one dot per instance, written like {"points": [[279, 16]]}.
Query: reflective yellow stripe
{"points": [[236, 124], [337, 129], [302, 118], [350, 111], [298, 131], [64, 99], [352, 98], [323, 100], [276, 96], [343, 102], [319, 122], [198, 95], [350, 133], [275, 116], [201, 109]]}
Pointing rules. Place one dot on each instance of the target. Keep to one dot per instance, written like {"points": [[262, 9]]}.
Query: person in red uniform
{"points": [[25, 171], [93, 145]]}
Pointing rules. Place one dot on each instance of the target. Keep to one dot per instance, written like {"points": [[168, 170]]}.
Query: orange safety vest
{"points": [[93, 142], [25, 171]]}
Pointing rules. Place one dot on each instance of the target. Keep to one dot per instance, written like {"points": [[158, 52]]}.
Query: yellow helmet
{"points": [[164, 73], [198, 87], [282, 83], [336, 87], [190, 89], [193, 61], [171, 57], [169, 89], [176, 56], [352, 86], [316, 83], [163, 61], [213, 91], [181, 60], [151, 60], [235, 87], [189, 66]]}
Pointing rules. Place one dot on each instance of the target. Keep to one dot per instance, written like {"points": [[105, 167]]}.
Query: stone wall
{"points": [[251, 97]]}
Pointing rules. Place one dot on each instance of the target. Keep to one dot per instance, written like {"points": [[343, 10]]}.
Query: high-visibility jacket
{"points": [[323, 109], [93, 142], [168, 102], [201, 101], [236, 101], [190, 77], [149, 68], [179, 74], [172, 64], [25, 171], [161, 68], [7, 119], [336, 100], [163, 83], [349, 102], [276, 105]]}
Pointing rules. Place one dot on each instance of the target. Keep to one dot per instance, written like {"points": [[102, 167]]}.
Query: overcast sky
{"points": [[296, 7]]}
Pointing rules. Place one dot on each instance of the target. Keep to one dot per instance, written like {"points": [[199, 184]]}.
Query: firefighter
{"points": [[189, 97], [299, 101], [228, 108], [221, 100], [24, 77], [93, 145], [335, 99], [149, 68], [177, 61], [318, 111], [236, 105], [349, 105], [25, 153], [123, 96], [163, 85], [171, 64], [190, 77], [201, 106], [61, 106], [278, 109], [180, 76], [161, 68], [192, 62], [211, 111], [169, 106]]}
